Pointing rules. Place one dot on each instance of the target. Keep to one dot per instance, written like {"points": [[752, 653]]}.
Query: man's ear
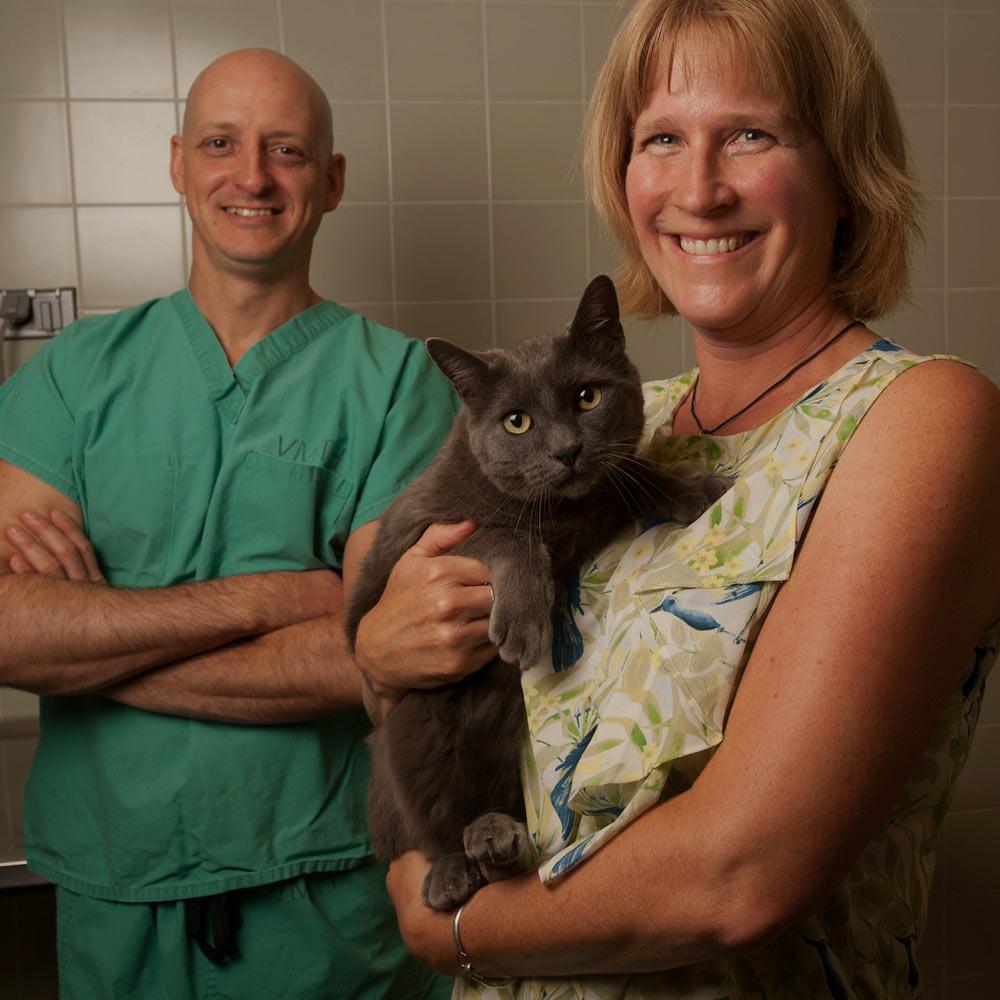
{"points": [[335, 175], [177, 163]]}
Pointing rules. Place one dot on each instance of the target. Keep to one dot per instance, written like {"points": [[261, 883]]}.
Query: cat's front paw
{"points": [[688, 497], [521, 621], [521, 638], [450, 882], [499, 844], [715, 487]]}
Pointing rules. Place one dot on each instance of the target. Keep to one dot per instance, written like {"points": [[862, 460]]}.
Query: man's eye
{"points": [[288, 152], [216, 145]]}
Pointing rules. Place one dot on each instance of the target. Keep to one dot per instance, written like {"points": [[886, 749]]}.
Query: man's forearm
{"points": [[64, 637], [292, 674]]}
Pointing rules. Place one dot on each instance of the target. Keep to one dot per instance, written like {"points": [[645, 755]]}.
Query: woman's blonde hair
{"points": [[817, 58]]}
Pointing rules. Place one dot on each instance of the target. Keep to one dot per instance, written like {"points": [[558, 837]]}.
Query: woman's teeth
{"points": [[725, 245], [249, 211]]}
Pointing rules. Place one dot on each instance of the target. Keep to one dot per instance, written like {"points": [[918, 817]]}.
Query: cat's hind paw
{"points": [[450, 882], [499, 844]]}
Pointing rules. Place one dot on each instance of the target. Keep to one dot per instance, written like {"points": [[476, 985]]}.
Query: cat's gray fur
{"points": [[445, 761]]}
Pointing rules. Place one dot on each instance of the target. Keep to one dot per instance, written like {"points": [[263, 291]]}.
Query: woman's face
{"points": [[733, 204]]}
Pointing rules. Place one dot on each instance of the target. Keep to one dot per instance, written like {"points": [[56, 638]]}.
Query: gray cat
{"points": [[542, 458]]}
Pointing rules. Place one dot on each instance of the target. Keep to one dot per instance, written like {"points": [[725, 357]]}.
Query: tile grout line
{"points": [[390, 178], [490, 232], [280, 12], [172, 20], [511, 102], [946, 220], [71, 161]]}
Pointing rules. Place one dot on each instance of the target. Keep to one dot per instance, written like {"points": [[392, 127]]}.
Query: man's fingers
{"points": [[55, 547], [440, 538], [71, 530], [18, 564], [37, 555]]}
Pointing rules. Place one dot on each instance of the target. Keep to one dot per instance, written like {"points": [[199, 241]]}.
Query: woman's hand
{"points": [[426, 932], [52, 546], [431, 625]]}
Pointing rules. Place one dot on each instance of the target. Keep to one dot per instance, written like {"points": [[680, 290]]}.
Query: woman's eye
{"points": [[663, 141], [588, 397], [516, 422], [754, 135]]}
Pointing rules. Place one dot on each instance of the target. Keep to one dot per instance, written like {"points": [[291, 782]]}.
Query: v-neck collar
{"points": [[228, 386]]}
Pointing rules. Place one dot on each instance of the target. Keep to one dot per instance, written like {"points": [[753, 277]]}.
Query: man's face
{"points": [[254, 166]]}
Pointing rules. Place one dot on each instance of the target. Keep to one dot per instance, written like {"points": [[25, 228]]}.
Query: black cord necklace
{"points": [[784, 378]]}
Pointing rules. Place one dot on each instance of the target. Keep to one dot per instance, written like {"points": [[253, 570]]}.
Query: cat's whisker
{"points": [[639, 486], [626, 498], [505, 501], [639, 483]]}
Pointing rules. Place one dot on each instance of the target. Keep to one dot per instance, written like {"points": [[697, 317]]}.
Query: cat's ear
{"points": [[596, 322], [467, 371]]}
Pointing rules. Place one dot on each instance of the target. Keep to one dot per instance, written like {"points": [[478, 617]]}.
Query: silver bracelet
{"points": [[465, 962]]}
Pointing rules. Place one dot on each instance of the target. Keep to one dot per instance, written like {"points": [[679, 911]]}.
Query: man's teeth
{"points": [[725, 245], [249, 211]]}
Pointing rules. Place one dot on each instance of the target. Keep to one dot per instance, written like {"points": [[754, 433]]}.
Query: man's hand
{"points": [[431, 625], [53, 546]]}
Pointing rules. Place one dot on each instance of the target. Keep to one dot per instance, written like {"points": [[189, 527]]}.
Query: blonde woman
{"points": [[736, 790]]}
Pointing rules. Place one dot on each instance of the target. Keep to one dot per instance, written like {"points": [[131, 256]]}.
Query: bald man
{"points": [[188, 487]]}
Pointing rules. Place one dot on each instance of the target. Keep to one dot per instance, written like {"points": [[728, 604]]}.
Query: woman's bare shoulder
{"points": [[941, 396], [923, 465]]}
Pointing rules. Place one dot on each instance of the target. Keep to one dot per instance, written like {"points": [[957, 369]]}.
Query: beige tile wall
{"points": [[464, 217]]}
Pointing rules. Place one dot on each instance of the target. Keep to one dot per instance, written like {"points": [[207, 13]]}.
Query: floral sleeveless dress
{"points": [[645, 661]]}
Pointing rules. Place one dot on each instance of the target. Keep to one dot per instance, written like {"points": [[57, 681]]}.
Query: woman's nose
{"points": [[703, 186]]}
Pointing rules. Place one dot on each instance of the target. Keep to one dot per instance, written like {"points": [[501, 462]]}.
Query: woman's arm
{"points": [[866, 642]]}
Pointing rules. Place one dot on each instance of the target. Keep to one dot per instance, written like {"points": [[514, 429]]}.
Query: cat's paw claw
{"points": [[520, 635], [523, 645], [498, 843], [450, 882]]}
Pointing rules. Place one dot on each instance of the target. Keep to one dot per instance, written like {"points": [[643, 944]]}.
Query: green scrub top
{"points": [[188, 469]]}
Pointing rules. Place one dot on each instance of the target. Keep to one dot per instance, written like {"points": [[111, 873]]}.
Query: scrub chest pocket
{"points": [[130, 515], [273, 500]]}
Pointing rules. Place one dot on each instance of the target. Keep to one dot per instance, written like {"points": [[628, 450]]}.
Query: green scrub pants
{"points": [[315, 937]]}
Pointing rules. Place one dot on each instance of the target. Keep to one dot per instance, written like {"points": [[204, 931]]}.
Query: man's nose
{"points": [[252, 170], [703, 185]]}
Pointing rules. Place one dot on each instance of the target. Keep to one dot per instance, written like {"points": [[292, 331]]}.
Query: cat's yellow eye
{"points": [[516, 422], [588, 397]]}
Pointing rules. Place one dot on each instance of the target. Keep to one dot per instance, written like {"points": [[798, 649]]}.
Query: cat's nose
{"points": [[568, 456]]}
